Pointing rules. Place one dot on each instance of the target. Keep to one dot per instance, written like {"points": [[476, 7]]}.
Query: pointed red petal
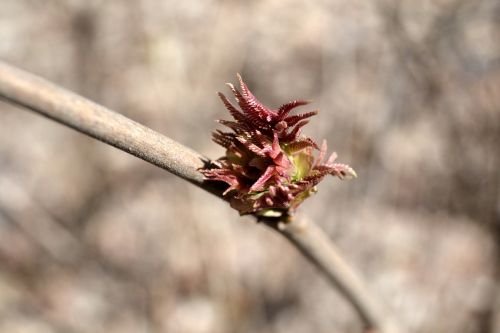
{"points": [[251, 146], [292, 120], [285, 109], [237, 115], [343, 171], [297, 146], [322, 153], [252, 101], [237, 127], [263, 179], [332, 158], [223, 139], [252, 115], [276, 149], [313, 180], [296, 131]]}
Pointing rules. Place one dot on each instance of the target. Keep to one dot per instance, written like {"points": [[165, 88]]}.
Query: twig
{"points": [[39, 95], [24, 89], [316, 246]]}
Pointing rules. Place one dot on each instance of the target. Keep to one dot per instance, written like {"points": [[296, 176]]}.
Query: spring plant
{"points": [[269, 166]]}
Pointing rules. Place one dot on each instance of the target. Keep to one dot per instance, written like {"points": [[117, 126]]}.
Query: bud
{"points": [[269, 165]]}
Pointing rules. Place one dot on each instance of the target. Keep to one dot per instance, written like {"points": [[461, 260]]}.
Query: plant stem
{"points": [[318, 248]]}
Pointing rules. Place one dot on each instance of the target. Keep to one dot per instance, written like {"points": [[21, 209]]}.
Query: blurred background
{"points": [[95, 240]]}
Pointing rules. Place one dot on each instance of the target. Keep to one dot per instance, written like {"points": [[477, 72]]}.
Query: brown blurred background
{"points": [[94, 240]]}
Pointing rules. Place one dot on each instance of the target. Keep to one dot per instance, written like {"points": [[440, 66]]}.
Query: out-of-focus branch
{"points": [[317, 247], [41, 96]]}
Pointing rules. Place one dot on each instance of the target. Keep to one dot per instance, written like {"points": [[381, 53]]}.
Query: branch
{"points": [[317, 247], [24, 89]]}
